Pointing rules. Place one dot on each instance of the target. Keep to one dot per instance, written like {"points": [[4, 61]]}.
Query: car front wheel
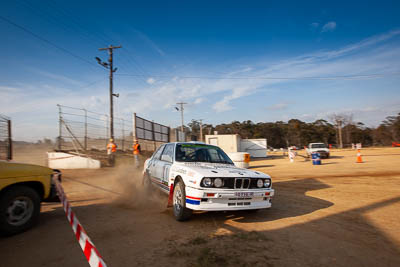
{"points": [[19, 209], [181, 213]]}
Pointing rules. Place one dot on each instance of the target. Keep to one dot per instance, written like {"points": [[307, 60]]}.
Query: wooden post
{"points": [[9, 154]]}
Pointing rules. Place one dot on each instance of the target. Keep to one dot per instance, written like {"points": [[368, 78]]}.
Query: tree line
{"points": [[340, 131]]}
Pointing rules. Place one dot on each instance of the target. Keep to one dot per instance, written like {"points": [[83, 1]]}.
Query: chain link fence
{"points": [[85, 131], [5, 138]]}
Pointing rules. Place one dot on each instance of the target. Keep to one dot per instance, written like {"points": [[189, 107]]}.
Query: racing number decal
{"points": [[166, 173]]}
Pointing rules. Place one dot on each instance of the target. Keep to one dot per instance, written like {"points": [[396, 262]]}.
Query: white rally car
{"points": [[198, 176]]}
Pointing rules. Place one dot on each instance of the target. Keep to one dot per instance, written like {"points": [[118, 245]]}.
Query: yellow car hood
{"points": [[14, 169]]}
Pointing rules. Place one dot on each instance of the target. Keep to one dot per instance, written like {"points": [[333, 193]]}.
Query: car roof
{"points": [[190, 142]]}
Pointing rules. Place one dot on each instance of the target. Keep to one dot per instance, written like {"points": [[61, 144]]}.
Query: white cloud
{"points": [[225, 103], [36, 103], [278, 106], [370, 115], [56, 77], [199, 100], [314, 25], [151, 80], [348, 60], [328, 27], [152, 44]]}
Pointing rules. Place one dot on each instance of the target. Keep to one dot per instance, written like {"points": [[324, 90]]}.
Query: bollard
{"points": [[316, 158]]}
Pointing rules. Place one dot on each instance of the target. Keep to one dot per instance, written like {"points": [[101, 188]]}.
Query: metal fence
{"points": [[5, 138], [85, 131], [150, 134], [150, 131]]}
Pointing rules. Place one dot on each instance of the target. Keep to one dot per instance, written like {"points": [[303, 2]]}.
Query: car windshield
{"points": [[318, 146], [201, 153]]}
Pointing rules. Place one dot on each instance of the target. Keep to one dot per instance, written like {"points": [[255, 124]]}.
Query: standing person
{"points": [[136, 153], [111, 149]]}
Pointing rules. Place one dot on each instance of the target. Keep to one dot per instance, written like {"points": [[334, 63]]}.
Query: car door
{"points": [[152, 168], [165, 164]]}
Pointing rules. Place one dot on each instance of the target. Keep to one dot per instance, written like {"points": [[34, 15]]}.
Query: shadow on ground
{"points": [[283, 204], [149, 236]]}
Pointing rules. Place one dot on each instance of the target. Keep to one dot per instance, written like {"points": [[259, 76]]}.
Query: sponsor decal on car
{"points": [[182, 171]]}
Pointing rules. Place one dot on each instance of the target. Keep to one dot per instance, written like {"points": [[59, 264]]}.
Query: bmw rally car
{"points": [[199, 176]]}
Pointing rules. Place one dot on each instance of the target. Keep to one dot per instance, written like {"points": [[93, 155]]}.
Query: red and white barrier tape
{"points": [[91, 253]]}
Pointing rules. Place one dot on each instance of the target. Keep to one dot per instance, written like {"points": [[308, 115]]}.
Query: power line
{"points": [[54, 15], [343, 77], [91, 84], [145, 75], [126, 60], [47, 41]]}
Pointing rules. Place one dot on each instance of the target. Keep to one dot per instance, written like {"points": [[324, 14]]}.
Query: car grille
{"points": [[240, 183]]}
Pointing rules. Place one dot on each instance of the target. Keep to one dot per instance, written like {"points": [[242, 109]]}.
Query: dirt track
{"points": [[340, 213]]}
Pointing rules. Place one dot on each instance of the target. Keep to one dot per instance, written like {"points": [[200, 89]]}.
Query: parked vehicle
{"points": [[199, 176], [321, 148], [22, 189]]}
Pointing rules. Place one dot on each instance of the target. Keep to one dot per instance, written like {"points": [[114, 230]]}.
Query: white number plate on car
{"points": [[244, 194]]}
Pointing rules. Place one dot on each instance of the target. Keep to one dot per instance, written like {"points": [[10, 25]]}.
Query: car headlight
{"points": [[267, 182], [260, 183], [207, 182], [218, 182]]}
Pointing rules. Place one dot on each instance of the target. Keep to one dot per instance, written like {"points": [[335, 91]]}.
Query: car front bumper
{"points": [[228, 199]]}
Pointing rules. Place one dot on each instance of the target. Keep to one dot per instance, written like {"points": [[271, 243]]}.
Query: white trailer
{"points": [[257, 148], [232, 143]]}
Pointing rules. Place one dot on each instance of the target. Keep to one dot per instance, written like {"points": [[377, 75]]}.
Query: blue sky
{"points": [[235, 46]]}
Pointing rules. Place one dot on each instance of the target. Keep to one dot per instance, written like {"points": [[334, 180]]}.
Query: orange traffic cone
{"points": [[359, 159]]}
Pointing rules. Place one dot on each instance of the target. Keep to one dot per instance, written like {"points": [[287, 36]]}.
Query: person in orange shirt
{"points": [[136, 153], [111, 149]]}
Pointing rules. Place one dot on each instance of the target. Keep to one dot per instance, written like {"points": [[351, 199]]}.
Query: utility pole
{"points": [[201, 130], [59, 126], [181, 109], [86, 137], [109, 66], [339, 123], [9, 141]]}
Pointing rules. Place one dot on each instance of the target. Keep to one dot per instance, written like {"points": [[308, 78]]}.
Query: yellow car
{"points": [[22, 188]]}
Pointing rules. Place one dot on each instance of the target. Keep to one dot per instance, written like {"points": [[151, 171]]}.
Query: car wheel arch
{"points": [[35, 185], [177, 179]]}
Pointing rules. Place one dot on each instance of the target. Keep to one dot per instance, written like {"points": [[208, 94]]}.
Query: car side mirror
{"points": [[166, 158]]}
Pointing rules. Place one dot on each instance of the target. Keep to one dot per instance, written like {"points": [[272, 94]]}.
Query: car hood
{"points": [[215, 170], [14, 169], [320, 149]]}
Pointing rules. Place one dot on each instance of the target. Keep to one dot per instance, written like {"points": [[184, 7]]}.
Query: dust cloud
{"points": [[122, 184], [31, 153], [128, 183]]}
